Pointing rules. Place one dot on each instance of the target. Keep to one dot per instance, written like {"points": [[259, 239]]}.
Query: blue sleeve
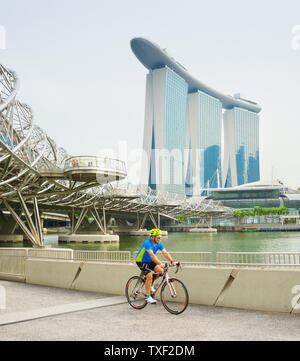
{"points": [[161, 246]]}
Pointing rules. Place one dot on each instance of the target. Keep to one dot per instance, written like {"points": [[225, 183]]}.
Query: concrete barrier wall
{"points": [[105, 277], [53, 273], [204, 284], [265, 290]]}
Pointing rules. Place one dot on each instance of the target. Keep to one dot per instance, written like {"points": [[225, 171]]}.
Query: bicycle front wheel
{"points": [[174, 296], [136, 293]]}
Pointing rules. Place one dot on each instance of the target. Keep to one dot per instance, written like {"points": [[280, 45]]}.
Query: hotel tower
{"points": [[188, 126]]}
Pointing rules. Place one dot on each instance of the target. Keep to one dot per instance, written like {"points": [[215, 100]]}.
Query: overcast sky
{"points": [[87, 89]]}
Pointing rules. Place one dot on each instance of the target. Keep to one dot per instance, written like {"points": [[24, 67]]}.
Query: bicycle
{"points": [[174, 295]]}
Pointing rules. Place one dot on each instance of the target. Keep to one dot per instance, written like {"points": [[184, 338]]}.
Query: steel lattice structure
{"points": [[32, 173], [24, 148]]}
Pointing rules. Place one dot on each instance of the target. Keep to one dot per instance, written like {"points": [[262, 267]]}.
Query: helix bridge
{"points": [[36, 175]]}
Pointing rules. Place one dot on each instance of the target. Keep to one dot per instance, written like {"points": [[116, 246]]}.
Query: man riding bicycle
{"points": [[147, 261]]}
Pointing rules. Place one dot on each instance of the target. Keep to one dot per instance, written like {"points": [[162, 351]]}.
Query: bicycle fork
{"points": [[171, 287]]}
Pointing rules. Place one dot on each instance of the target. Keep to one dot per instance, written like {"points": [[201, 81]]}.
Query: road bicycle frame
{"points": [[165, 278]]}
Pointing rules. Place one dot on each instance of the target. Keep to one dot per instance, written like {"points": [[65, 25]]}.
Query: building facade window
{"points": [[241, 147]]}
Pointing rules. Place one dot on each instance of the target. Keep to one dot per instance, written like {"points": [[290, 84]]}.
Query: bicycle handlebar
{"points": [[167, 265]]}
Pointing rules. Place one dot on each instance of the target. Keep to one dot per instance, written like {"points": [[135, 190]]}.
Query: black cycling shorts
{"points": [[146, 267]]}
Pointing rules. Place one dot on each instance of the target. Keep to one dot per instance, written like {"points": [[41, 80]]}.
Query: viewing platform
{"points": [[87, 169]]}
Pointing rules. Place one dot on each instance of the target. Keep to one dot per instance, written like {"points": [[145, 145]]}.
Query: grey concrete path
{"points": [[24, 302], [121, 322], [17, 317]]}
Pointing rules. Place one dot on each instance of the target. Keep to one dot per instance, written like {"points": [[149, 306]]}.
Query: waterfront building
{"points": [[265, 194], [164, 131], [241, 147], [204, 123], [183, 129]]}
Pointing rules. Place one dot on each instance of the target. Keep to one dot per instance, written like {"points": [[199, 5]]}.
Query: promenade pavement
{"points": [[44, 313]]}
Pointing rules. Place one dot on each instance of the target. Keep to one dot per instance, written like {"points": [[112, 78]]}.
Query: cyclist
{"points": [[147, 261]]}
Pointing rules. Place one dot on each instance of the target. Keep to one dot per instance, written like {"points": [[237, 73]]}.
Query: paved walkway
{"points": [[44, 313]]}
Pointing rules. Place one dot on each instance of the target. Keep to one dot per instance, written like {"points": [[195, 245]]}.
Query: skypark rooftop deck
{"points": [[153, 57]]}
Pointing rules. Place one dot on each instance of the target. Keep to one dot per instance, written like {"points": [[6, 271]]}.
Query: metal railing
{"points": [[186, 258], [55, 253], [90, 162], [193, 258], [12, 260], [103, 256], [258, 259]]}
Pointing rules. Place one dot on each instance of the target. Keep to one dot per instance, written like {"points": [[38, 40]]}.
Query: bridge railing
{"points": [[56, 253], [186, 258], [12, 260], [103, 256], [88, 162], [258, 259], [193, 258]]}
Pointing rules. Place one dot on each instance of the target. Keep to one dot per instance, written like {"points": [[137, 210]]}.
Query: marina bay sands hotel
{"points": [[183, 138]]}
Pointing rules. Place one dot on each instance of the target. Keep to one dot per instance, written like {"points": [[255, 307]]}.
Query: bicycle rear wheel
{"points": [[135, 292], [174, 296]]}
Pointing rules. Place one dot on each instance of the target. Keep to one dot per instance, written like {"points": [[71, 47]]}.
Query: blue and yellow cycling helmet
{"points": [[155, 232]]}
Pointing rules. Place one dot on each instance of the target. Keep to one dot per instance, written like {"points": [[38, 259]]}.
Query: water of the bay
{"points": [[191, 242], [209, 242]]}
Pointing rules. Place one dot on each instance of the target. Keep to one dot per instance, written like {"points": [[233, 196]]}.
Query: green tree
{"points": [[237, 213], [285, 210], [258, 211]]}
